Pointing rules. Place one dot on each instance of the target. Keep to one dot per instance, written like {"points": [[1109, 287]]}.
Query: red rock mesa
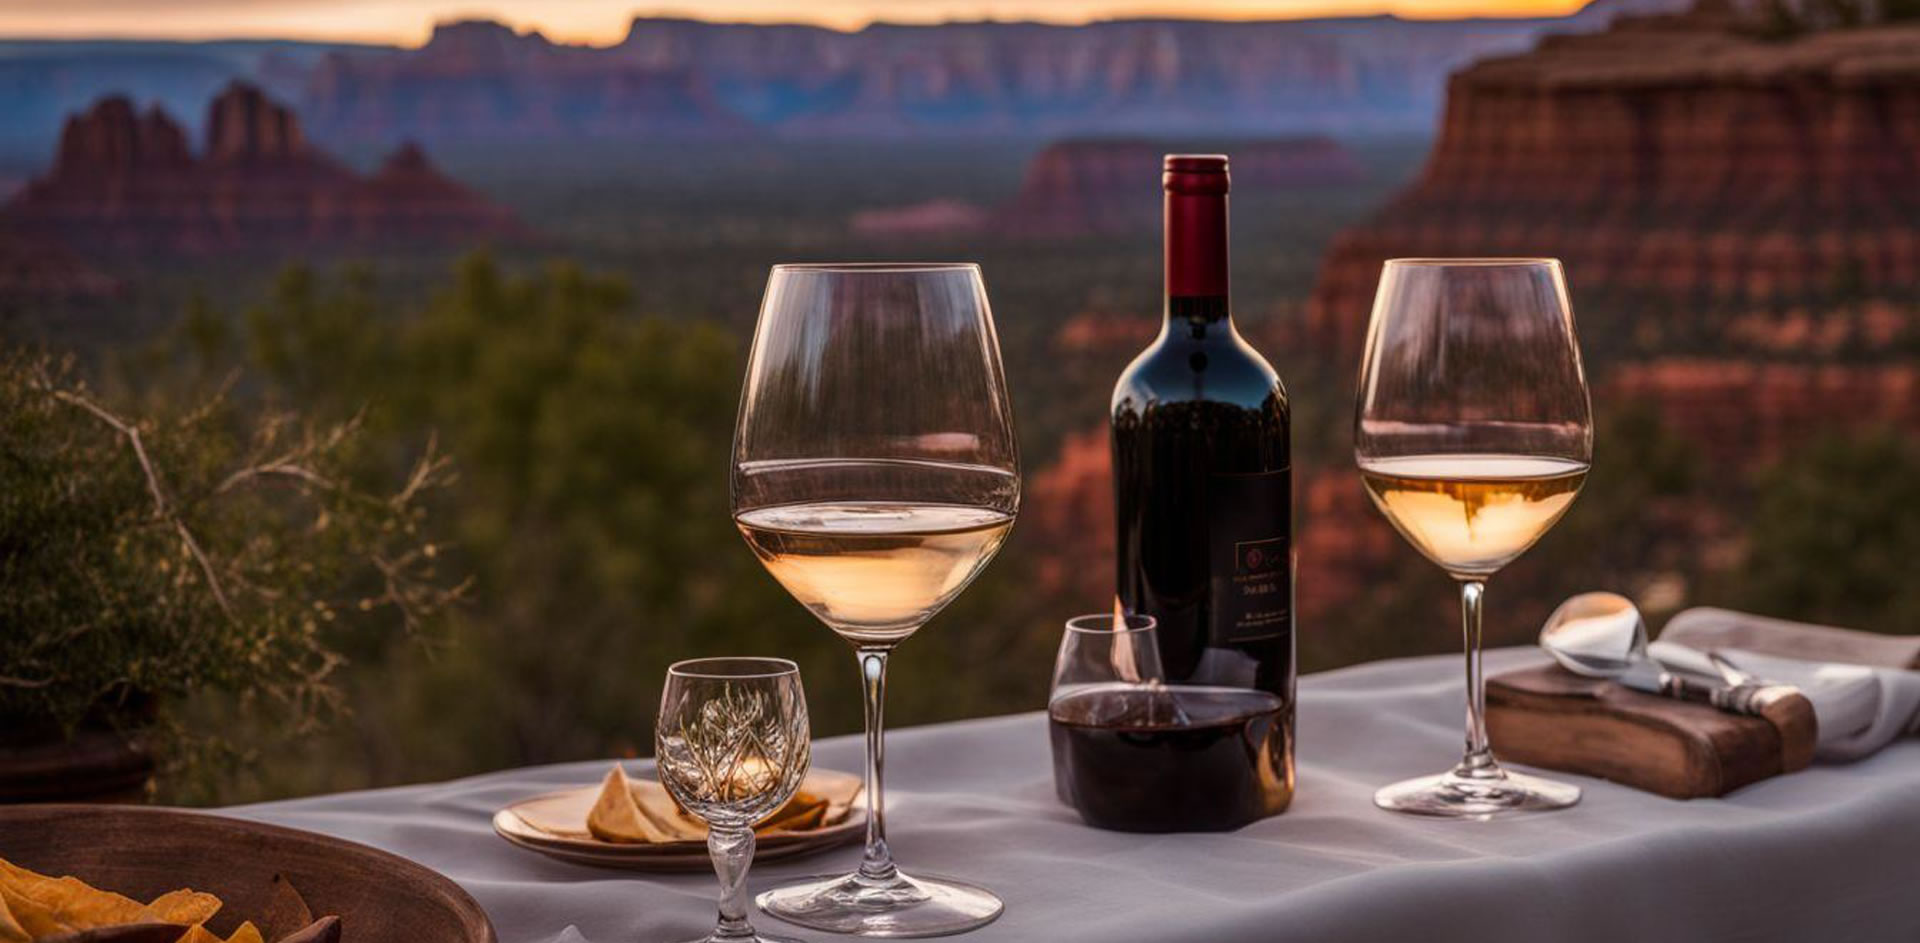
{"points": [[125, 181], [1670, 160]]}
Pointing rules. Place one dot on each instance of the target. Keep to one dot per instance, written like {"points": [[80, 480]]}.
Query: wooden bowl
{"points": [[145, 852], [90, 766]]}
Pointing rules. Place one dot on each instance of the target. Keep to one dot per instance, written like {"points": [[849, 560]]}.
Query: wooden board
{"points": [[1551, 718], [145, 852]]}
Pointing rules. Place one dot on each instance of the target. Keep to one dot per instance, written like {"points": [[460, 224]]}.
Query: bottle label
{"points": [[1250, 526]]}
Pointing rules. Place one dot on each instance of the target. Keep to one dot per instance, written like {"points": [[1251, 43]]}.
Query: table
{"points": [[1830, 854]]}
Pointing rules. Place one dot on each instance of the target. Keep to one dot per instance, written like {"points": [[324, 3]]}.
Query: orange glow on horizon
{"points": [[601, 22]]}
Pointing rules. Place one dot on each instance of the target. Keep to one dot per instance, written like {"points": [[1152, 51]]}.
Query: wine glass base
{"points": [[902, 907], [1482, 795], [751, 937]]}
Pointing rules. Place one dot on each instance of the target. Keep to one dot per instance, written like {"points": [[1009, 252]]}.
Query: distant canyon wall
{"points": [[479, 80], [1089, 186]]}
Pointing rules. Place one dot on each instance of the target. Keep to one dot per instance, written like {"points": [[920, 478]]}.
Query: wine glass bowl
{"points": [[731, 747], [1473, 434], [874, 571], [875, 474]]}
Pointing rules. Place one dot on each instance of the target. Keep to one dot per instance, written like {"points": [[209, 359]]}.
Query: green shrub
{"points": [[147, 557]]}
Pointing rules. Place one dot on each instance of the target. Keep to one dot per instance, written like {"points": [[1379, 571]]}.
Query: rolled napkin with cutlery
{"points": [[1602, 635], [1862, 686], [1714, 706]]}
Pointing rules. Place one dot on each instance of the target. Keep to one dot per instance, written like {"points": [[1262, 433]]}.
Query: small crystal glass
{"points": [[733, 745]]}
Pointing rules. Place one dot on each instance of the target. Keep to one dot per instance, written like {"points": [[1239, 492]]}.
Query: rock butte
{"points": [[125, 181], [1670, 160]]}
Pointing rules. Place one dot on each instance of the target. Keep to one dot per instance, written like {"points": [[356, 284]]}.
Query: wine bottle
{"points": [[1203, 488]]}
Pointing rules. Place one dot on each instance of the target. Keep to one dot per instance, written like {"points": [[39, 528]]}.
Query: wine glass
{"points": [[1106, 671], [1473, 435], [875, 474], [732, 746], [1105, 650]]}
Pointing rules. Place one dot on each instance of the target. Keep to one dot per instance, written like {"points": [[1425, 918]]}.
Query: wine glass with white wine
{"points": [[1473, 435], [875, 474]]}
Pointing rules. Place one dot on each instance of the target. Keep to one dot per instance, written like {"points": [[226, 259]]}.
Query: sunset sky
{"points": [[604, 21]]}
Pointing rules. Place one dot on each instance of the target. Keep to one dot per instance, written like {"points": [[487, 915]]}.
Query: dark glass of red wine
{"points": [[1133, 754]]}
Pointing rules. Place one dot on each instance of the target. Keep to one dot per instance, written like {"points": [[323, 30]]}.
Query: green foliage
{"points": [[592, 510], [595, 508], [1835, 538], [145, 558]]}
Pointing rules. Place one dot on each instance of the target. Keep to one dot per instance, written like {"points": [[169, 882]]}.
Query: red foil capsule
{"points": [[1196, 224]]}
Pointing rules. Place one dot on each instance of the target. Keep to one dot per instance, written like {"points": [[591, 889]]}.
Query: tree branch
{"points": [[161, 509], [281, 468]]}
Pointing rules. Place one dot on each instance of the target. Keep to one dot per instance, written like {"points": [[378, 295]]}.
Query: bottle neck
{"points": [[1196, 259]]}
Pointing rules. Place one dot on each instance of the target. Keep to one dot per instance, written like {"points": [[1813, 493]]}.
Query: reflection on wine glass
{"points": [[732, 746], [1473, 435], [875, 474]]}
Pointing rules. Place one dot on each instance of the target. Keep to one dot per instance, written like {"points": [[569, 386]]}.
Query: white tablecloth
{"points": [[1829, 855]]}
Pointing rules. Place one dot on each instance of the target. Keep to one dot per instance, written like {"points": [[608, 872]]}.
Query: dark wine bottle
{"points": [[1203, 489]]}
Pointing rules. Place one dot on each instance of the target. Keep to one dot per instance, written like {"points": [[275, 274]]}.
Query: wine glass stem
{"points": [[878, 864], [732, 851], [1479, 757]]}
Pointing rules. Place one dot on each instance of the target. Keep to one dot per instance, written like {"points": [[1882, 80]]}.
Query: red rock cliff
{"points": [[1669, 159], [1748, 413], [244, 126]]}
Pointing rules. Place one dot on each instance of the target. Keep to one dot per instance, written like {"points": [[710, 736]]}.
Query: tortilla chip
{"points": [[44, 905], [633, 811], [323, 930], [183, 906], [804, 811], [665, 814], [10, 929], [198, 933], [287, 912], [617, 814]]}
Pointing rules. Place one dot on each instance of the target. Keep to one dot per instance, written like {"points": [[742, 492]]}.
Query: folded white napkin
{"points": [[1860, 707]]}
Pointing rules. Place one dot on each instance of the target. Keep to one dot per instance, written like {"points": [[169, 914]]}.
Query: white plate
{"points": [[516, 824]]}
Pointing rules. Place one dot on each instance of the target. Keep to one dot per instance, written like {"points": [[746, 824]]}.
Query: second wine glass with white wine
{"points": [[1473, 435], [875, 474]]}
